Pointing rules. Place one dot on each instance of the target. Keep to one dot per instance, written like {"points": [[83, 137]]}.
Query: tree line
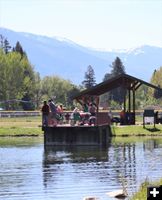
{"points": [[21, 87], [145, 96]]}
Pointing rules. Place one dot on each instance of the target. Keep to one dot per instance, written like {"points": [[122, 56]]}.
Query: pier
{"points": [[99, 132], [77, 135]]}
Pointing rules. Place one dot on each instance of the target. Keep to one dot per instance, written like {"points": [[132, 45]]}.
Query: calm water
{"points": [[28, 172]]}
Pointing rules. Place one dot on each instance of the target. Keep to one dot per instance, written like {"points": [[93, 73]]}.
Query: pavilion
{"points": [[129, 83]]}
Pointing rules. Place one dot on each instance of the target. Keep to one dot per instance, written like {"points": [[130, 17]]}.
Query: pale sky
{"points": [[101, 24]]}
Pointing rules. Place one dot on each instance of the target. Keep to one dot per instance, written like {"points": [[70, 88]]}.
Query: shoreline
{"points": [[123, 131]]}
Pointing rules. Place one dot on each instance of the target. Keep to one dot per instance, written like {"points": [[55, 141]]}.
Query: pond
{"points": [[30, 172]]}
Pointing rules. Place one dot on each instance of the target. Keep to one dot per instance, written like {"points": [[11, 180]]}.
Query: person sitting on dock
{"points": [[45, 113], [67, 118], [75, 117], [60, 113], [85, 107], [92, 110]]}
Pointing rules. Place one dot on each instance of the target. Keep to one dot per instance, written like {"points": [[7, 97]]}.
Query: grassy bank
{"points": [[23, 126], [137, 130], [142, 193], [31, 126]]}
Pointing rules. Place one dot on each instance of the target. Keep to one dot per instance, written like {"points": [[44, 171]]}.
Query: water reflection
{"points": [[100, 170], [151, 144], [28, 172], [75, 154], [81, 159], [78, 169]]}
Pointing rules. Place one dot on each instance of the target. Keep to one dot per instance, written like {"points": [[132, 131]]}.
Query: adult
{"points": [[53, 115], [110, 116], [122, 117], [45, 113], [53, 108]]}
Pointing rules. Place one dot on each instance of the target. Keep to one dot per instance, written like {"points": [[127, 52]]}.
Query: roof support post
{"points": [[125, 93], [129, 100], [97, 104], [134, 106]]}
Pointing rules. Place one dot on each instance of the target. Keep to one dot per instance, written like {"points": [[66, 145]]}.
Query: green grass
{"points": [[29, 126], [21, 126], [137, 130], [20, 131], [142, 193]]}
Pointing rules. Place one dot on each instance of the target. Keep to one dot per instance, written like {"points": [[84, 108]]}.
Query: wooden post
{"points": [[129, 100], [125, 93], [134, 106], [97, 104]]}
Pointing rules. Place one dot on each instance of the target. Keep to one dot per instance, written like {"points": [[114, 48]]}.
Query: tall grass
{"points": [[142, 193]]}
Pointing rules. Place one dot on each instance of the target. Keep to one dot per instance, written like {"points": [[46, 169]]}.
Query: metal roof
{"points": [[122, 80]]}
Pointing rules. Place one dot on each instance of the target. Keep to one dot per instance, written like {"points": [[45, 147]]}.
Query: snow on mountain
{"points": [[59, 56]]}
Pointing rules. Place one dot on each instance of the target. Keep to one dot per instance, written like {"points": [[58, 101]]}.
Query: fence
{"points": [[19, 113]]}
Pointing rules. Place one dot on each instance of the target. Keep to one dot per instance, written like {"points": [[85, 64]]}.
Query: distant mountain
{"points": [[55, 56]]}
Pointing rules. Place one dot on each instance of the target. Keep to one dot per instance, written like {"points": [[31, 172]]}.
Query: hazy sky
{"points": [[102, 24]]}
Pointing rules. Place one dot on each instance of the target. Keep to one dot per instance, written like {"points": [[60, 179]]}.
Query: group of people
{"points": [[51, 109], [87, 115], [53, 114]]}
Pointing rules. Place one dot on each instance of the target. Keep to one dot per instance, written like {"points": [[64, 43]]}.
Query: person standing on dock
{"points": [[45, 113], [53, 109]]}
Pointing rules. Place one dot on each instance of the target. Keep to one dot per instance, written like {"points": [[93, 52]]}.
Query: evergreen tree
{"points": [[4, 44], [18, 48], [116, 94], [7, 46], [117, 67], [89, 80], [1, 41], [107, 76]]}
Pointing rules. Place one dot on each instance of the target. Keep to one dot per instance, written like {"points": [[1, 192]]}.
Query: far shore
{"points": [[31, 126], [137, 130], [21, 126]]}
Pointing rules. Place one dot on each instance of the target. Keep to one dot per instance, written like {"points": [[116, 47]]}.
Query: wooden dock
{"points": [[77, 135]]}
